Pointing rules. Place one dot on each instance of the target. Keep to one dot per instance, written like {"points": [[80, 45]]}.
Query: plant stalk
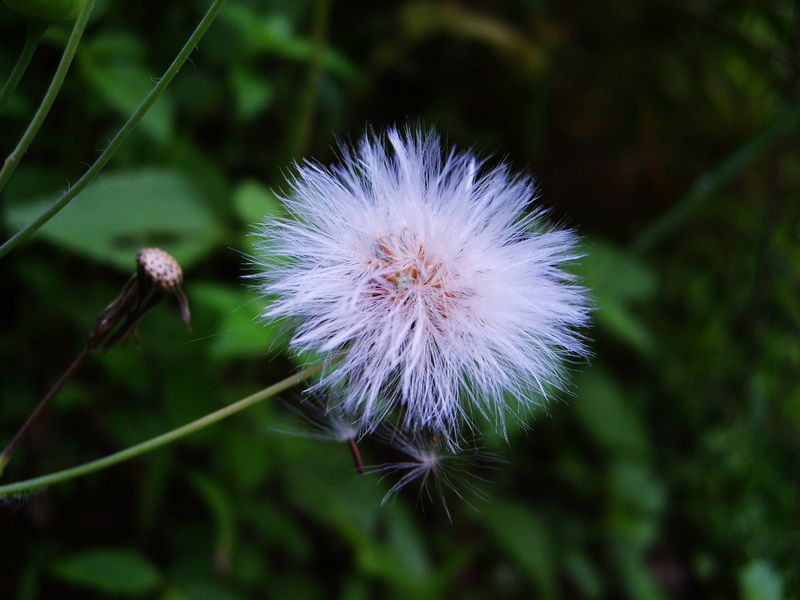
{"points": [[359, 462], [34, 30], [120, 137], [782, 126], [5, 456], [158, 441], [11, 163], [305, 114]]}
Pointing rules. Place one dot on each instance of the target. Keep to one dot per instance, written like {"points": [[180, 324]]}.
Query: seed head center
{"points": [[404, 263], [408, 275], [404, 278]]}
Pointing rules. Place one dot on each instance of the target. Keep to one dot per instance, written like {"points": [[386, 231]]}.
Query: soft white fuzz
{"points": [[431, 284]]}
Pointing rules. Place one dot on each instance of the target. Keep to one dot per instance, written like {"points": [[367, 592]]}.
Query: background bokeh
{"points": [[665, 131]]}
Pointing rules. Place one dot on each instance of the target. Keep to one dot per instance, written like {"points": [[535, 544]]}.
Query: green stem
{"points": [[305, 112], [120, 137], [50, 96], [5, 455], [34, 31], [784, 125], [159, 441]]}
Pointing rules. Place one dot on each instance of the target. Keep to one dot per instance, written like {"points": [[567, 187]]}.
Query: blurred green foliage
{"points": [[666, 131]]}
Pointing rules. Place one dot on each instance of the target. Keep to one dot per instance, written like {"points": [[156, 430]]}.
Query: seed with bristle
{"points": [[160, 268]]}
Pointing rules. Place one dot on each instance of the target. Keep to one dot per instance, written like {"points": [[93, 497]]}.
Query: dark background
{"points": [[665, 132]]}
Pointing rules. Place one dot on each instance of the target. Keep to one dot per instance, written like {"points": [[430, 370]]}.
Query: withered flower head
{"points": [[157, 275], [158, 266]]}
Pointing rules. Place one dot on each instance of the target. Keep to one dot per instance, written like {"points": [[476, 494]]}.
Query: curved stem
{"points": [[34, 31], [50, 96], [119, 139], [158, 441], [5, 456]]}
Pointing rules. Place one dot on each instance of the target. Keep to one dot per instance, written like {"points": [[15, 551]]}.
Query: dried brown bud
{"points": [[157, 275], [160, 268]]}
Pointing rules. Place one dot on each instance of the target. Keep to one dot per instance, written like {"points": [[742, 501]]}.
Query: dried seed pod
{"points": [[157, 275], [160, 268]]}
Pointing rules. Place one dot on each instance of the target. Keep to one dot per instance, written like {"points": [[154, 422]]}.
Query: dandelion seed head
{"points": [[431, 284], [438, 470]]}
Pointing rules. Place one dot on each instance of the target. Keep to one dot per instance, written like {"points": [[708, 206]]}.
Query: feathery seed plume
{"points": [[430, 283]]}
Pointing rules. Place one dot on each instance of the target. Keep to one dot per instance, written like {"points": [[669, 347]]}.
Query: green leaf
{"points": [[274, 35], [113, 65], [618, 281], [241, 332], [616, 274], [619, 320], [108, 570], [120, 213], [277, 528], [203, 589], [525, 538], [637, 499], [403, 557], [606, 415], [420, 20], [30, 181], [220, 507], [635, 575], [253, 93], [760, 581], [254, 202], [583, 575]]}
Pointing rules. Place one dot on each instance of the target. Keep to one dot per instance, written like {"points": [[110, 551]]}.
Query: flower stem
{"points": [[158, 441], [305, 113], [34, 31], [40, 115], [121, 135], [359, 462], [784, 125], [5, 456]]}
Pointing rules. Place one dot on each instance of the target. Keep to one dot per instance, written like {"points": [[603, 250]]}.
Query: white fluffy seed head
{"points": [[430, 283]]}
